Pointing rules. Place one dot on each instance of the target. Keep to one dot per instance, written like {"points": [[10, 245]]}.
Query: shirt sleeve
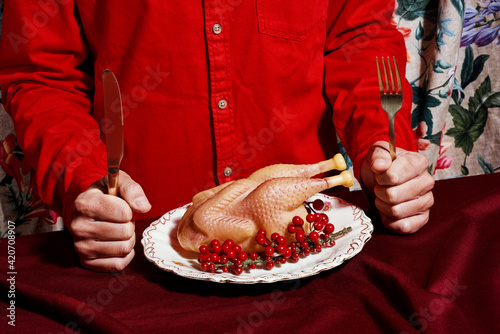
{"points": [[357, 32], [48, 94]]}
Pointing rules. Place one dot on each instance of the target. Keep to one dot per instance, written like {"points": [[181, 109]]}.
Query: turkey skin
{"points": [[268, 199]]}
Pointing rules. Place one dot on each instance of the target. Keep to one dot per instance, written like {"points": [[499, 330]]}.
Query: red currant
{"points": [[281, 240], [293, 247], [216, 248], [261, 239], [295, 255], [238, 270], [270, 265], [329, 228], [287, 253], [262, 231], [310, 218], [252, 266], [229, 242], [297, 221], [214, 242], [225, 269], [254, 256], [204, 266], [242, 256], [274, 236], [300, 235], [223, 259], [292, 228], [318, 225], [203, 249], [318, 204], [269, 251], [201, 258], [324, 218], [211, 267], [304, 244], [231, 254], [281, 248], [317, 217], [282, 260], [237, 248], [314, 236], [295, 260], [214, 258], [226, 248], [238, 262], [317, 248], [307, 251]]}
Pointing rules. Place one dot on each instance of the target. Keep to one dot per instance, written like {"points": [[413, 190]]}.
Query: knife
{"points": [[113, 134]]}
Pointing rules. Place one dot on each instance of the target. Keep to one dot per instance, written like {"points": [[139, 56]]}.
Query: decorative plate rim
{"points": [[358, 240]]}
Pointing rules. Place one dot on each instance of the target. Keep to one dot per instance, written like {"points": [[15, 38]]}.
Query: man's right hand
{"points": [[103, 228]]}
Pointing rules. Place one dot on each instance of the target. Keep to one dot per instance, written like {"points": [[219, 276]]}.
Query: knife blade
{"points": [[113, 135]]}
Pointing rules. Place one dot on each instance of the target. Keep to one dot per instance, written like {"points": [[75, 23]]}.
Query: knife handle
{"points": [[113, 181]]}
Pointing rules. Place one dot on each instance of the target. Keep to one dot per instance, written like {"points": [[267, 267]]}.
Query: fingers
{"points": [[103, 227], [407, 191], [404, 210], [108, 264], [406, 225], [83, 228], [91, 249], [402, 189], [105, 256], [133, 193], [406, 167], [98, 206]]}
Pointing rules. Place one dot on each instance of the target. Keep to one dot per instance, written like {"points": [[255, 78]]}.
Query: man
{"points": [[212, 90]]}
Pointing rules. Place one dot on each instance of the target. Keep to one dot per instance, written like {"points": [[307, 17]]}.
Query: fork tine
{"points": [[393, 86], [387, 89], [398, 77], [380, 84]]}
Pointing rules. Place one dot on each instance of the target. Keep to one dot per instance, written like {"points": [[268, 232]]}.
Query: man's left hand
{"points": [[401, 189]]}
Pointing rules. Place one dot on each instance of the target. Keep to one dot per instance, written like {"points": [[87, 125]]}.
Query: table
{"points": [[443, 279]]}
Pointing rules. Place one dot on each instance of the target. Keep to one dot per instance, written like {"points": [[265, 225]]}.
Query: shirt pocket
{"points": [[290, 19]]}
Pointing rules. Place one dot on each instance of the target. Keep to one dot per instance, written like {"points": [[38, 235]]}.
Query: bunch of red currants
{"points": [[229, 257]]}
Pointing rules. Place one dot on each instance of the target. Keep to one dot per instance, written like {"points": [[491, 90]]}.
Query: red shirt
{"points": [[212, 90]]}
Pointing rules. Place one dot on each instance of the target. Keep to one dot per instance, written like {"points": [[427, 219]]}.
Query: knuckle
{"points": [[406, 227], [391, 195], [82, 207], [83, 250], [397, 212], [130, 188], [128, 231]]}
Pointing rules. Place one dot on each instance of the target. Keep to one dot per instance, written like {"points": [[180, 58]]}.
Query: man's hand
{"points": [[103, 228], [401, 189]]}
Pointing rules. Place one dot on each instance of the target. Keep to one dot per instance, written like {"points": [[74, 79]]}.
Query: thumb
{"points": [[379, 157], [133, 193]]}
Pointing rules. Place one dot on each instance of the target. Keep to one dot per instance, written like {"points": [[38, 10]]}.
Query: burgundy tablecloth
{"points": [[443, 279]]}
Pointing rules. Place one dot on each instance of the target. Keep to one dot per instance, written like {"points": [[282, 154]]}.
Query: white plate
{"points": [[162, 248]]}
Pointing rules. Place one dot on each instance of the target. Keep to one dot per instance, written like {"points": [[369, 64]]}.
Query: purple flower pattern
{"points": [[481, 24]]}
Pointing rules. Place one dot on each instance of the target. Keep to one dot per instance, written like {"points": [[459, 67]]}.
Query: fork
{"points": [[391, 97]]}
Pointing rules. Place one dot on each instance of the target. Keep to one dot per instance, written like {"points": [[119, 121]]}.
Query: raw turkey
{"points": [[267, 199]]}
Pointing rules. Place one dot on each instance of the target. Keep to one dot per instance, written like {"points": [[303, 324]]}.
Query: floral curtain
{"points": [[453, 59]]}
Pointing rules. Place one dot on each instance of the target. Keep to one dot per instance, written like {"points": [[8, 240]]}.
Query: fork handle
{"points": [[392, 139]]}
